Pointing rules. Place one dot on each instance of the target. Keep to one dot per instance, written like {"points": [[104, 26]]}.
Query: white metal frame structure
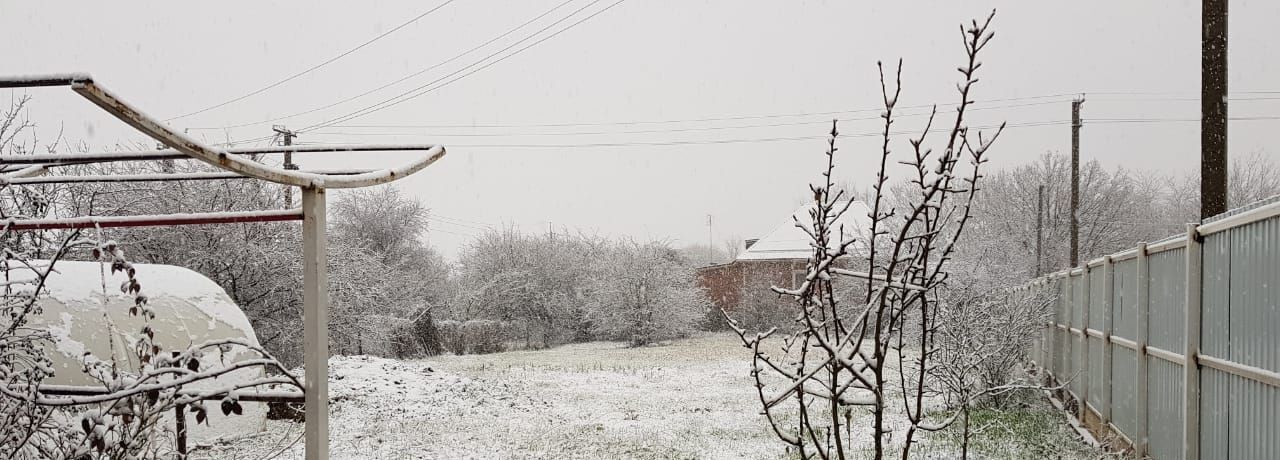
{"points": [[27, 169]]}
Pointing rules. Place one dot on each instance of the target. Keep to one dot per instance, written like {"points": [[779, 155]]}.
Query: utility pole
{"points": [[710, 247], [1213, 108], [286, 139], [1039, 230], [1075, 179]]}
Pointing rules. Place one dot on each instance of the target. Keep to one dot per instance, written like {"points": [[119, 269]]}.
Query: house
{"points": [[776, 259]]}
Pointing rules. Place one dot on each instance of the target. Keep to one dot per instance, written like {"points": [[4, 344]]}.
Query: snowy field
{"points": [[688, 399]]}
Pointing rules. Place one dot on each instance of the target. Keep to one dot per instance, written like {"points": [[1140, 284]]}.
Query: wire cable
{"points": [[427, 88], [399, 80], [314, 67]]}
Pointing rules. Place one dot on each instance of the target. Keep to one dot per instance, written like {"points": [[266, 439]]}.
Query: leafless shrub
{"points": [[839, 358]]}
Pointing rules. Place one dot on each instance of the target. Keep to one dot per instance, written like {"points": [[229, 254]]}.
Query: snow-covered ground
{"points": [[689, 399]]}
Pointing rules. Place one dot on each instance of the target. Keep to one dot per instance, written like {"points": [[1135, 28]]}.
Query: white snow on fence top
{"points": [[786, 241]]}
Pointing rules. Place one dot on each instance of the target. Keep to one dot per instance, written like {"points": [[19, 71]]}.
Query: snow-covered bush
{"points": [[419, 336], [642, 294], [477, 336]]}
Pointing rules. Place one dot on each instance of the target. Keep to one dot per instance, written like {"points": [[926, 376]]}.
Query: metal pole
{"points": [[1075, 180], [1213, 108], [1191, 366], [180, 420], [1143, 306], [315, 316]]}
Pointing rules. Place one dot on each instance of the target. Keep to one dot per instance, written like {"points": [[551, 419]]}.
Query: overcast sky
{"points": [[629, 92]]}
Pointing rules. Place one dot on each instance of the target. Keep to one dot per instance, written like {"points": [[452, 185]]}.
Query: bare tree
{"points": [[839, 358]]}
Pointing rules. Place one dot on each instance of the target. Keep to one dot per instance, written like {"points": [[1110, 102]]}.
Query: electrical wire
{"points": [[399, 80], [643, 131], [738, 140], [314, 67], [427, 88]]}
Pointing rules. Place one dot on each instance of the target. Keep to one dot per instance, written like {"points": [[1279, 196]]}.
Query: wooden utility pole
{"points": [[1039, 230], [1075, 180], [1213, 108], [286, 138]]}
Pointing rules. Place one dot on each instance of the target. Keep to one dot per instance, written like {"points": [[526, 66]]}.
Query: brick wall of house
{"points": [[728, 284]]}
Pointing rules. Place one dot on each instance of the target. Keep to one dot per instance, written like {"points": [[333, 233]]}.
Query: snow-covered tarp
{"points": [[189, 309], [786, 241]]}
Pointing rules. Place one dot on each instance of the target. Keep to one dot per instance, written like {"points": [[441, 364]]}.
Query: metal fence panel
{"points": [[1124, 299], [1253, 338], [1097, 299], [1239, 278], [1254, 294], [1215, 392], [1253, 420], [1168, 300], [1123, 383], [1164, 409]]}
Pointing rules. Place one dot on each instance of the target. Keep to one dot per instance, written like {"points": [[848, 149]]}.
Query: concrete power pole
{"points": [[1039, 230], [1213, 108], [1075, 180], [286, 138], [710, 247]]}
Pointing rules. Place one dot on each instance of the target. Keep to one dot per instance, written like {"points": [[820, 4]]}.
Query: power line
{"points": [[314, 67], [456, 224], [407, 95], [399, 80], [427, 88], [649, 131], [474, 223], [743, 140]]}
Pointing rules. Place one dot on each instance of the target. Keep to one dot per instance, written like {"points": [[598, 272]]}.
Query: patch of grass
{"points": [[1033, 430]]}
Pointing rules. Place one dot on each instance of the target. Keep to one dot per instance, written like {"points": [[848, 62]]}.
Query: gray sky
{"points": [[645, 61]]}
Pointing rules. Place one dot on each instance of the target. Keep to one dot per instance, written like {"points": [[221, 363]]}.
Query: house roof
{"points": [[786, 241]]}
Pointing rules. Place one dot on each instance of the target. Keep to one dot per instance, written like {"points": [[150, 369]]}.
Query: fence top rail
{"points": [[1247, 217], [84, 85]]}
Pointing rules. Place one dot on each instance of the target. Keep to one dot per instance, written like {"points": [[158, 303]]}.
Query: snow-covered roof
{"points": [[786, 241]]}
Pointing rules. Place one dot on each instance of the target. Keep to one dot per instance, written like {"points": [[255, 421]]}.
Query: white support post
{"points": [[315, 316], [1108, 309], [1140, 439], [1084, 339], [1069, 360], [1046, 340], [1191, 368]]}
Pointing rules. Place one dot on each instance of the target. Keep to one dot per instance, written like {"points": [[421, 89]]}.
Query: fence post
{"points": [[1191, 368], [1069, 358], [1046, 339], [1084, 340], [1143, 308], [1108, 311]]}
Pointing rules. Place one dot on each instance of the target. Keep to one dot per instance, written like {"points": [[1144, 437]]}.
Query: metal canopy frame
{"points": [[20, 170]]}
